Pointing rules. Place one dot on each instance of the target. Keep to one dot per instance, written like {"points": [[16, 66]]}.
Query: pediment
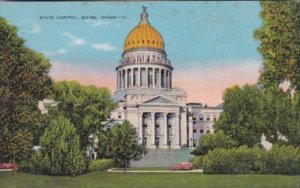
{"points": [[160, 100]]}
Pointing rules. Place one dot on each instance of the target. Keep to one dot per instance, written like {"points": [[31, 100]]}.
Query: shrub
{"points": [[100, 165], [240, 160], [212, 141], [25, 166], [197, 162], [60, 153], [183, 166], [283, 160]]}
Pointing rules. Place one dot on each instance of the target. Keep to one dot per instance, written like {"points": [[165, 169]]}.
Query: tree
{"points": [[123, 144], [87, 107], [60, 153], [104, 147], [241, 116], [293, 134], [213, 141], [24, 81], [276, 115], [18, 145], [279, 38]]}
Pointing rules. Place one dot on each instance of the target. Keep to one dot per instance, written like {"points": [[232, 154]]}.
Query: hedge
{"points": [[100, 164], [197, 162], [243, 160]]}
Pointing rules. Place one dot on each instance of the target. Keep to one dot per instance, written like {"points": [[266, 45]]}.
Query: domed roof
{"points": [[144, 35]]}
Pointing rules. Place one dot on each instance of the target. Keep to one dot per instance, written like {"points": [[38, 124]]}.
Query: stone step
{"points": [[163, 158]]}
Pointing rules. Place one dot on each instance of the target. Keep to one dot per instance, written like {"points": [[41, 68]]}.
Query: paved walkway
{"points": [[156, 171]]}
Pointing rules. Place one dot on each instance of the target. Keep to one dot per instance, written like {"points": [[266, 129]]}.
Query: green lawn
{"points": [[143, 180]]}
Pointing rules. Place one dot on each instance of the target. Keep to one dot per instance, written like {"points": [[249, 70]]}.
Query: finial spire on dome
{"points": [[144, 14]]}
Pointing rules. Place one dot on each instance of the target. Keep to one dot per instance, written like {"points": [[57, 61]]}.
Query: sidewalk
{"points": [[156, 171]]}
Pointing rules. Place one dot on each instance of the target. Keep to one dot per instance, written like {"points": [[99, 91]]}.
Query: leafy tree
{"points": [[293, 134], [213, 141], [104, 148], [276, 115], [241, 116], [18, 145], [87, 107], [24, 81], [279, 38], [60, 153], [123, 144]]}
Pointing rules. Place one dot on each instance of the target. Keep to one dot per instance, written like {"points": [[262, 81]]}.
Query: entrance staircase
{"points": [[163, 158]]}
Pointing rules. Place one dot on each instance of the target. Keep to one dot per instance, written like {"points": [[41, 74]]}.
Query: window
{"points": [[194, 130], [201, 130], [145, 125], [201, 118], [156, 126], [119, 115], [215, 118], [208, 131], [208, 118]]}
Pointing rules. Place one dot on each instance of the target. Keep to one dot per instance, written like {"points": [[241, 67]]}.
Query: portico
{"points": [[159, 129]]}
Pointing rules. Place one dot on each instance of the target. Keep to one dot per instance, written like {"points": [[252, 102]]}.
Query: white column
{"points": [[170, 79], [121, 78], [177, 130], [138, 78], [153, 78], [146, 69], [131, 75], [153, 128], [159, 78], [191, 136], [165, 129], [140, 126], [125, 78], [118, 80], [165, 79]]}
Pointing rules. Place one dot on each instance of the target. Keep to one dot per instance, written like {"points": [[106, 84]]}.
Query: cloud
{"points": [[62, 51], [58, 52], [75, 40], [104, 47], [36, 29], [96, 23]]}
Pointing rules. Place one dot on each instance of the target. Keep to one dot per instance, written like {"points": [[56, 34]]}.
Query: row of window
{"points": [[201, 131], [207, 118]]}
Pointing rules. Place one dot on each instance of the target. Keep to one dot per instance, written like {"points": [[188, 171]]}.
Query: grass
{"points": [[145, 180]]}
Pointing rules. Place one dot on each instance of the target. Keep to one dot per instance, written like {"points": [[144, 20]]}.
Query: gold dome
{"points": [[144, 36]]}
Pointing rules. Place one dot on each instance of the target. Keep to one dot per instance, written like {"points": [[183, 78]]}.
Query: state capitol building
{"points": [[147, 99]]}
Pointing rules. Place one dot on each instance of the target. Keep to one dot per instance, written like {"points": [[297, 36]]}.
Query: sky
{"points": [[210, 44]]}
